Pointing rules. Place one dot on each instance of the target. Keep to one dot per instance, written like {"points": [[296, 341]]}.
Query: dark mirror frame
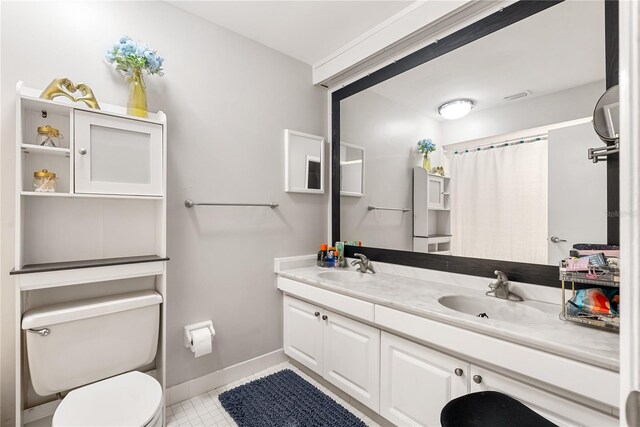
{"points": [[546, 275]]}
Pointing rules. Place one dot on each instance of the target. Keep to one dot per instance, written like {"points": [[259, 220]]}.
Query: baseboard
{"points": [[196, 386]]}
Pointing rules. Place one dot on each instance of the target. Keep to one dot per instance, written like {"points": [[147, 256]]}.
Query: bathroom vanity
{"points": [[406, 346]]}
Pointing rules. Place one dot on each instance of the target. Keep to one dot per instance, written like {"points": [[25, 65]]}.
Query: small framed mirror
{"points": [[606, 116], [303, 162], [351, 170]]}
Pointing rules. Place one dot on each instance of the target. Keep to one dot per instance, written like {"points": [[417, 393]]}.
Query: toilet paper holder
{"points": [[188, 339]]}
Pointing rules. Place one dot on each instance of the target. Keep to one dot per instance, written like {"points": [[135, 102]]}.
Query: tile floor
{"points": [[206, 410]]}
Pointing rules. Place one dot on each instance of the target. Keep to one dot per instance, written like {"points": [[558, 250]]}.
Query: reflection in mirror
{"points": [[606, 117], [351, 170], [304, 165], [511, 179]]}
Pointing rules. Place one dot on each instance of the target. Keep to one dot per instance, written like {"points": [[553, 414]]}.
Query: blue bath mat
{"points": [[285, 399]]}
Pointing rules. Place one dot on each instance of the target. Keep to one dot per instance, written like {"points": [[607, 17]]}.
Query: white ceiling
{"points": [[306, 30], [559, 48]]}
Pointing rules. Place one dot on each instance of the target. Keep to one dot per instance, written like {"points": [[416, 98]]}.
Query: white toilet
{"points": [[92, 347]]}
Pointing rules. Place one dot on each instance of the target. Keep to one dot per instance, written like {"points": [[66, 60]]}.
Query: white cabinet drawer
{"points": [[558, 410], [353, 307]]}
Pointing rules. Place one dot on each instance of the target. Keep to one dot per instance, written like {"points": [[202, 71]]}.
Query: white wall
{"points": [[228, 100], [569, 104], [390, 133]]}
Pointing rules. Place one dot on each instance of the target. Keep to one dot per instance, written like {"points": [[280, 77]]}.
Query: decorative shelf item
{"points": [[62, 86], [599, 277], [132, 59]]}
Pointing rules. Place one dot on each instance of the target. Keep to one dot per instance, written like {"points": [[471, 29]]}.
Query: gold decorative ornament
{"points": [[44, 181], [48, 136], [48, 130], [439, 170], [64, 87]]}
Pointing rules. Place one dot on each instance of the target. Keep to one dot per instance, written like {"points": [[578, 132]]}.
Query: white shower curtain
{"points": [[499, 203]]}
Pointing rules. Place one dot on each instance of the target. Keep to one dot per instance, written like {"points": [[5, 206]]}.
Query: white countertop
{"points": [[420, 297]]}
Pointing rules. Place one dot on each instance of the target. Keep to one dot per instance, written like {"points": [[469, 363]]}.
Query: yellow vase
{"points": [[426, 162], [137, 105]]}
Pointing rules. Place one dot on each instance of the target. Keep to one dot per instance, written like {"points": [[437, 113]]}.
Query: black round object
{"points": [[490, 409]]}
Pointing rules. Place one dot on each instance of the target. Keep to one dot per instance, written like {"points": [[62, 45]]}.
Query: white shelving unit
{"points": [[431, 212], [107, 225]]}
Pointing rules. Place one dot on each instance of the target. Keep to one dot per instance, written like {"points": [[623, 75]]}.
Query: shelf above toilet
{"points": [[47, 275]]}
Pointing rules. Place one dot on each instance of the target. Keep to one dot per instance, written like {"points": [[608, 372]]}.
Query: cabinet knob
{"points": [[317, 313], [82, 151], [458, 372], [477, 379], [324, 317]]}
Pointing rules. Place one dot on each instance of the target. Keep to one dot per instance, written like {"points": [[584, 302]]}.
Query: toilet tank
{"points": [[91, 339]]}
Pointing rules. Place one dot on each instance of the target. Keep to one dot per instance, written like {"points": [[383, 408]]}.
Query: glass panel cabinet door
{"points": [[435, 198], [115, 155]]}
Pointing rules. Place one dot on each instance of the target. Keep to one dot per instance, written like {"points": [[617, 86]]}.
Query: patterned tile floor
{"points": [[206, 410]]}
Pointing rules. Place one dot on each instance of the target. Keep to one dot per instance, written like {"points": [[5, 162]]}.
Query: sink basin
{"points": [[347, 276], [493, 308]]}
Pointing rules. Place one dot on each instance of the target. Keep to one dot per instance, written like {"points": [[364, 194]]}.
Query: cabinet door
{"points": [[435, 192], [416, 381], [558, 410], [352, 358], [303, 333], [115, 155]]}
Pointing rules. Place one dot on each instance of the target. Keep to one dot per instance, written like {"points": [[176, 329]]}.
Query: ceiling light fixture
{"points": [[455, 109]]}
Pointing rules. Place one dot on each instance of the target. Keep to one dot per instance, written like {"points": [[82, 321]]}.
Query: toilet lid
{"points": [[130, 399]]}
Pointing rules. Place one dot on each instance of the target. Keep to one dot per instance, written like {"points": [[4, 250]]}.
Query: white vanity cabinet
{"points": [[407, 367], [416, 381], [344, 351], [117, 155]]}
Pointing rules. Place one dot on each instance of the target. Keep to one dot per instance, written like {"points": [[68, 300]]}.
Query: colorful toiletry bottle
{"points": [[340, 249], [322, 254], [336, 259], [330, 259]]}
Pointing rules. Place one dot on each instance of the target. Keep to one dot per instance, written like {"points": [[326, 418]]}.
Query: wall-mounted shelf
{"points": [[88, 263], [31, 101], [102, 230], [51, 151], [44, 194], [432, 212], [87, 196], [438, 175]]}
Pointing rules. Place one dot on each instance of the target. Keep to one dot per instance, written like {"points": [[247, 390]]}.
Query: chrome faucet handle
{"points": [[362, 257], [502, 277], [364, 264]]}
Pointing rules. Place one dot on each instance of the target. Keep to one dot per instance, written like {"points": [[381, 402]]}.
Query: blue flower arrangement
{"points": [[131, 56], [426, 146]]}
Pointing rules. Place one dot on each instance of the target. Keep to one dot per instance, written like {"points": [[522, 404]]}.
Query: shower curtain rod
{"points": [[501, 144]]}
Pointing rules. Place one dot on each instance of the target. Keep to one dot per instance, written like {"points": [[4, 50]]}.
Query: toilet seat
{"points": [[131, 399]]}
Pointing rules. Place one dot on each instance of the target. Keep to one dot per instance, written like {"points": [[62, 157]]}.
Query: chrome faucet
{"points": [[364, 264], [500, 288]]}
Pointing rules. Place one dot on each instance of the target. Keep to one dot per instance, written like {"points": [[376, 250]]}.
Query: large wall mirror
{"points": [[510, 182]]}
